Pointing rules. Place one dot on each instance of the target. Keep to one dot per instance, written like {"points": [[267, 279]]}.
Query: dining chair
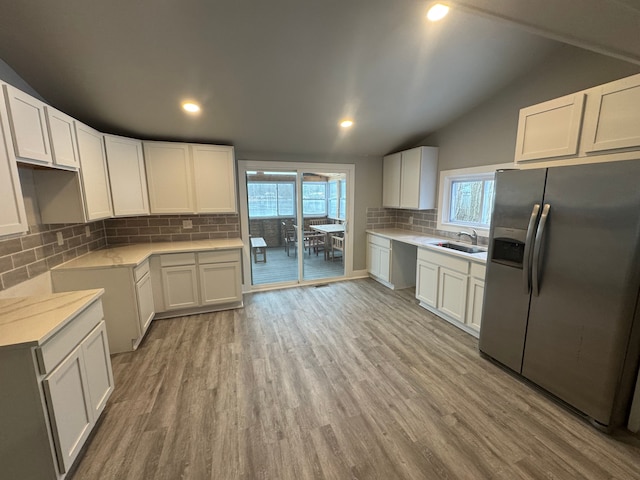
{"points": [[337, 245]]}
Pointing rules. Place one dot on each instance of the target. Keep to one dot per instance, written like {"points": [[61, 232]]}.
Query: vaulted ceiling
{"points": [[271, 76]]}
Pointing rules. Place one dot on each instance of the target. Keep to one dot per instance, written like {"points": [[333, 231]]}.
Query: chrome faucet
{"points": [[473, 236]]}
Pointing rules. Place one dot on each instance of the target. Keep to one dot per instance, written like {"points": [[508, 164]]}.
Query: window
{"points": [[337, 199], [466, 198], [277, 199], [471, 201], [314, 199], [270, 199]]}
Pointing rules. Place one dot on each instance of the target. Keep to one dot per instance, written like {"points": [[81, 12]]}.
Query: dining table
{"points": [[328, 229]]}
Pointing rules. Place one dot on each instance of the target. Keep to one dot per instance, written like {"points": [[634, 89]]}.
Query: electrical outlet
{"points": [[186, 224], [87, 231], [59, 238], [411, 220]]}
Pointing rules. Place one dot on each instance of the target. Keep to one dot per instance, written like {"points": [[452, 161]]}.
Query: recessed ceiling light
{"points": [[437, 12], [346, 123], [191, 107]]}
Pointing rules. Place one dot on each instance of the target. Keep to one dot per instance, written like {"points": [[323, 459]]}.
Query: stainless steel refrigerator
{"points": [[561, 303]]}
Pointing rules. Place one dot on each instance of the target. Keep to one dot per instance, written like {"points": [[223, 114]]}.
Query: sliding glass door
{"points": [[294, 223]]}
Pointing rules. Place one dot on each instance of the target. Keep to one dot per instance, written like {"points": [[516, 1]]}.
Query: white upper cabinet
{"points": [[595, 125], [391, 168], [169, 177], [28, 126], [13, 218], [409, 179], [187, 178], [550, 129], [127, 176], [93, 167], [62, 134], [214, 178], [613, 117]]}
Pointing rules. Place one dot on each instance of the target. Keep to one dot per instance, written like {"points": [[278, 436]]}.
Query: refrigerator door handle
{"points": [[526, 260], [537, 247]]}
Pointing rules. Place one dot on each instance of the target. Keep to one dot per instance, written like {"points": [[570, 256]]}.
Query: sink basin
{"points": [[461, 248]]}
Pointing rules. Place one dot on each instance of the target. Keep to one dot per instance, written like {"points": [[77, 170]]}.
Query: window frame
{"points": [[446, 180], [272, 182]]}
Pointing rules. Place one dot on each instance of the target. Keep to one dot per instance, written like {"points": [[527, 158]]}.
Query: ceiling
{"points": [[273, 76]]}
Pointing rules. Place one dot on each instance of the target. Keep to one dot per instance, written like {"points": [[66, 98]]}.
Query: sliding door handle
{"points": [[526, 260], [535, 274]]}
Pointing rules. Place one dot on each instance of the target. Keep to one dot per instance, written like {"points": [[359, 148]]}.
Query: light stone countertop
{"points": [[135, 254], [27, 321], [422, 240]]}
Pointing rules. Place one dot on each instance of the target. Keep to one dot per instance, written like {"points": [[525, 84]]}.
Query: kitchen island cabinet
{"points": [[56, 379]]}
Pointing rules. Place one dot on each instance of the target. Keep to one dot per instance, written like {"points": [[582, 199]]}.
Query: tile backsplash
{"points": [[171, 228], [421, 221], [27, 256]]}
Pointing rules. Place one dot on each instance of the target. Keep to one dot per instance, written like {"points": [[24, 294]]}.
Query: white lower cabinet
{"points": [[379, 257], [427, 283], [53, 395], [66, 391], [127, 300], [192, 282], [180, 287], [451, 287], [220, 277], [391, 263]]}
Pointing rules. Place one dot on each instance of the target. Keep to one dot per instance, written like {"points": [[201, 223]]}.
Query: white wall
{"points": [[487, 134]]}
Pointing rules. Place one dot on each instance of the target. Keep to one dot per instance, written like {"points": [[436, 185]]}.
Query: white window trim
{"points": [[444, 189]]}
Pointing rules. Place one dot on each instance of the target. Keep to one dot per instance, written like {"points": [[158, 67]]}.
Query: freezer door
{"points": [[506, 298], [580, 323]]}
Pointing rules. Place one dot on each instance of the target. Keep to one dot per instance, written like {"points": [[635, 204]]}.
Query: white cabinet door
{"points": [[66, 392], [93, 169], [410, 182], [28, 126], [180, 287], [427, 283], [214, 178], [169, 177], [550, 129], [452, 293], [145, 302], [474, 303], [13, 218], [391, 166], [220, 283], [127, 176], [62, 135], [612, 119], [385, 264], [95, 351]]}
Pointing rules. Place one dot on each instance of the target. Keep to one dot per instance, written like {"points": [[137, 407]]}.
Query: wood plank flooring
{"points": [[347, 381], [281, 267]]}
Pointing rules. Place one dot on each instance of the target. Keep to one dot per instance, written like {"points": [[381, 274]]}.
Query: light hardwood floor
{"points": [[347, 381]]}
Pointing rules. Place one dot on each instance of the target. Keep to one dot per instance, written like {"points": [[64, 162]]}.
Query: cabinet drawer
{"points": [[382, 242], [219, 256], [63, 342], [478, 270], [177, 259], [448, 261], [141, 270]]}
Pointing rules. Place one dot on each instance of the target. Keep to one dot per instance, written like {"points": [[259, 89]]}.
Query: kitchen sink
{"points": [[461, 248]]}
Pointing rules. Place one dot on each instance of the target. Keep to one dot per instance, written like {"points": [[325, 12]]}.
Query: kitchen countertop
{"points": [[425, 241], [135, 254], [27, 321]]}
